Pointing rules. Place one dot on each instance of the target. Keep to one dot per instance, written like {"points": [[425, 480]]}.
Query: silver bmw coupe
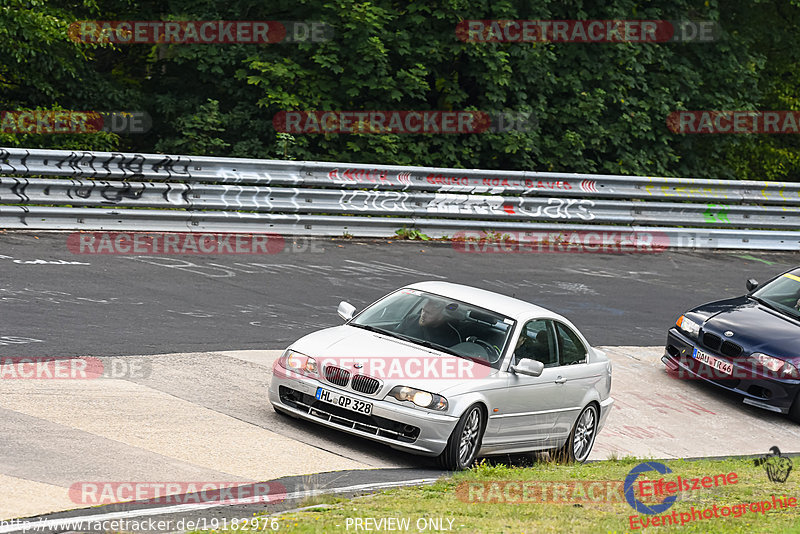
{"points": [[451, 371]]}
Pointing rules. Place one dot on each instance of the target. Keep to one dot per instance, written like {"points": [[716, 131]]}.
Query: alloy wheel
{"points": [[584, 434], [469, 437]]}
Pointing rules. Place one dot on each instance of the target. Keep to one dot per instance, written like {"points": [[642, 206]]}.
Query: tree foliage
{"points": [[599, 108]]}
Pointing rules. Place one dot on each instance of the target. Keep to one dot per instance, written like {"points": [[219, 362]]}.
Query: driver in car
{"points": [[533, 348], [431, 325]]}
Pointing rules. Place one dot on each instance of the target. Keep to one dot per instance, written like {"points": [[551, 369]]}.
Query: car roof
{"points": [[509, 306]]}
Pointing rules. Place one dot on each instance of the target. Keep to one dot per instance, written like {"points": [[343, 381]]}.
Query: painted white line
{"points": [[77, 521]]}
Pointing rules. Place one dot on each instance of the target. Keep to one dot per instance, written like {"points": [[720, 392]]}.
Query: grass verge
{"points": [[448, 505]]}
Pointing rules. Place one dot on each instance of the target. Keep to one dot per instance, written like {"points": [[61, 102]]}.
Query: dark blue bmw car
{"points": [[749, 345]]}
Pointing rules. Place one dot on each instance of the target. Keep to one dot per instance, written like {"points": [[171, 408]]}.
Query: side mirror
{"points": [[752, 284], [529, 367], [346, 310]]}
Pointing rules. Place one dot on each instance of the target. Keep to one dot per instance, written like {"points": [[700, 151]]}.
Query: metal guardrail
{"points": [[188, 193]]}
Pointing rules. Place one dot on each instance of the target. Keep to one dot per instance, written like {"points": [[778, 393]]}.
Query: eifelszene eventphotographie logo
{"points": [[630, 494]]}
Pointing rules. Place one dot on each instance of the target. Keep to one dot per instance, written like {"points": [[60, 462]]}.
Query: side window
{"points": [[570, 346], [537, 342]]}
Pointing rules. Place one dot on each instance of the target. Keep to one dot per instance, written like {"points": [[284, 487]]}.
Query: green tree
{"points": [[599, 108], [198, 133], [44, 69]]}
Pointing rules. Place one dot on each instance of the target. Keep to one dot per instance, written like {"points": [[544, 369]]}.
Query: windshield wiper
{"points": [[373, 329], [766, 303], [435, 346], [785, 310], [384, 332]]}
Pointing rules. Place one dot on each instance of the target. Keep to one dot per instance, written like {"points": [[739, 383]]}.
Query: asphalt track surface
{"points": [[118, 305], [202, 417], [55, 303]]}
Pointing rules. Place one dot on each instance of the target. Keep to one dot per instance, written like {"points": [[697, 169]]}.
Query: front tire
{"points": [[794, 411], [580, 441], [464, 442]]}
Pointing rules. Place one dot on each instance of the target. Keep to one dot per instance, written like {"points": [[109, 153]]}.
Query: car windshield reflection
{"points": [[782, 294], [440, 323]]}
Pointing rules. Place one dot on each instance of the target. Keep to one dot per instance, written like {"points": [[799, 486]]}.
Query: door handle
{"points": [[560, 380]]}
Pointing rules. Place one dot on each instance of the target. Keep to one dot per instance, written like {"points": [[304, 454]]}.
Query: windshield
{"points": [[783, 293], [441, 323]]}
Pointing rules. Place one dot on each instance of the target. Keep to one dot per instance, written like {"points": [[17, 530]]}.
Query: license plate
{"points": [[711, 361], [343, 401]]}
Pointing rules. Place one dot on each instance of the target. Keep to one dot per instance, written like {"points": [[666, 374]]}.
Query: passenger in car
{"points": [[431, 324]]}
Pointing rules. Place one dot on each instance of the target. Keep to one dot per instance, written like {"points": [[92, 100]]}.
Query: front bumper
{"points": [[765, 392], [401, 427]]}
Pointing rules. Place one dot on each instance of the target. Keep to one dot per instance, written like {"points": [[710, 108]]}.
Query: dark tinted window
{"points": [[537, 343], [570, 346], [783, 293]]}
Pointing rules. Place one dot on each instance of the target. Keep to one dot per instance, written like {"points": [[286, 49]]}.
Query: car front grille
{"points": [[371, 424], [337, 375], [726, 348], [365, 384], [711, 341], [731, 349]]}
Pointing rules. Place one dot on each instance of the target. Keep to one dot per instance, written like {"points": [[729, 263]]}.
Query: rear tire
{"points": [[580, 441], [464, 442]]}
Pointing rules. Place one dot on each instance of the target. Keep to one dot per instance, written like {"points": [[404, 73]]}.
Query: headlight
{"points": [[781, 368], [689, 327], [298, 362], [419, 397]]}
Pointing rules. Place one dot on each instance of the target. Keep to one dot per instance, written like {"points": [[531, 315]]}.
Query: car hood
{"points": [[344, 345], [757, 328]]}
